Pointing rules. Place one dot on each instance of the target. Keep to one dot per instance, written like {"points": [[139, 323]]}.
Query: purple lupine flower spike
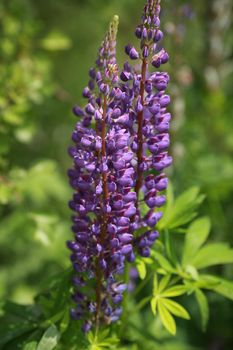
{"points": [[102, 177], [119, 154], [149, 120]]}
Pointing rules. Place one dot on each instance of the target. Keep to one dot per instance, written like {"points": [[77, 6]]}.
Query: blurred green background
{"points": [[46, 49]]}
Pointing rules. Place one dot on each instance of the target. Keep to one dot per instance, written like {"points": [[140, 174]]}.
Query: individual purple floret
{"points": [[148, 120], [103, 203]]}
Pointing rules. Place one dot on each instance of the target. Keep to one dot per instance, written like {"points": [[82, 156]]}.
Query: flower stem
{"points": [[139, 132], [99, 274]]}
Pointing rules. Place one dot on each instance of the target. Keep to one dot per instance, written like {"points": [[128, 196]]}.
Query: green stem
{"points": [[98, 272], [125, 300], [141, 286], [141, 304]]}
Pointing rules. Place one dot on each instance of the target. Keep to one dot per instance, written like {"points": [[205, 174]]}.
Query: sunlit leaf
{"points": [[141, 267], [196, 235], [192, 271], [155, 283], [203, 307], [219, 285], [213, 254], [153, 304], [176, 309], [175, 291], [166, 318], [164, 263], [163, 283], [183, 209]]}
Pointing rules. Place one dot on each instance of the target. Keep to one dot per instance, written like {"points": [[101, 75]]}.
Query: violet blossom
{"points": [[148, 122], [102, 176]]}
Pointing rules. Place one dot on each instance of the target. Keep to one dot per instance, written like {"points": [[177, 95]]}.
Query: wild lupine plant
{"points": [[119, 154], [129, 261]]}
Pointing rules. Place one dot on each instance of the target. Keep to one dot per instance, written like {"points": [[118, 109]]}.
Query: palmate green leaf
{"points": [[109, 343], [49, 339], [175, 291], [196, 235], [102, 340], [182, 211], [213, 254], [166, 318], [203, 307], [175, 308]]}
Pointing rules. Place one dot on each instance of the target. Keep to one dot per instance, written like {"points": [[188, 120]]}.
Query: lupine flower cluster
{"points": [[118, 158], [149, 121]]}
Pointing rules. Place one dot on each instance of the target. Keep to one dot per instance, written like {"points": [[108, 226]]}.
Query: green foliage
{"points": [[182, 210], [56, 41], [25, 78], [203, 306], [102, 340], [167, 307], [196, 236], [213, 254], [141, 267], [17, 322], [49, 339], [196, 254]]}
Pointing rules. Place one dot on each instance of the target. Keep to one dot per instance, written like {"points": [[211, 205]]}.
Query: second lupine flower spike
{"points": [[150, 121]]}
